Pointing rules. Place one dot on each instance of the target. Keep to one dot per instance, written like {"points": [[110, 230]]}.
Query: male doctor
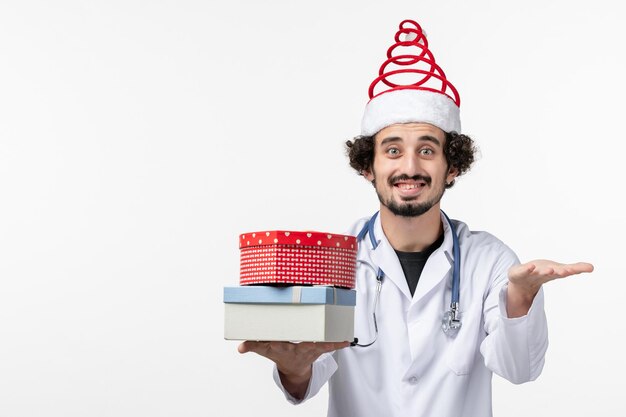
{"points": [[411, 150]]}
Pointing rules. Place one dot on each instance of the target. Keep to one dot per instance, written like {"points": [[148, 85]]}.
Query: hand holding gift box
{"points": [[293, 360]]}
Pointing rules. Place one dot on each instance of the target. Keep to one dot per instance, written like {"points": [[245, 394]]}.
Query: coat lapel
{"points": [[385, 257], [438, 266]]}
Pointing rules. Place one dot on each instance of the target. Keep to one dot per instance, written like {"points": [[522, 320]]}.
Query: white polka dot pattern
{"points": [[297, 258]]}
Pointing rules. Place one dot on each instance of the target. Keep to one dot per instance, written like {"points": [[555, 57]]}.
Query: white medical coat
{"points": [[414, 369]]}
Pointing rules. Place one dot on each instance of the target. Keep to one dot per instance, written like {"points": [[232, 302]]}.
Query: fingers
{"points": [[243, 347], [331, 346], [581, 267], [541, 271], [558, 270], [262, 348], [317, 348], [266, 348], [249, 346]]}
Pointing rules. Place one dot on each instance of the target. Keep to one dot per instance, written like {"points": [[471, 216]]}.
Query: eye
{"points": [[393, 151], [426, 152]]}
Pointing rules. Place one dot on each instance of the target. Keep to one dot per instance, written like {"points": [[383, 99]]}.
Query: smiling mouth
{"points": [[407, 186]]}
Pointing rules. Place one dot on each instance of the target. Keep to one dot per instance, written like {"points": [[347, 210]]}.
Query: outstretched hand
{"points": [[534, 274], [526, 279]]}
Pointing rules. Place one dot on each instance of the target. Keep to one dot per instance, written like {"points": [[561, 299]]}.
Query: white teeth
{"points": [[407, 186]]}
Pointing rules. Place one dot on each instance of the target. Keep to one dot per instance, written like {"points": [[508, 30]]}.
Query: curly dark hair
{"points": [[459, 150]]}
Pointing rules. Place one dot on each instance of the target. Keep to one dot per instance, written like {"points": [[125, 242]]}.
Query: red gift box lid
{"points": [[287, 237]]}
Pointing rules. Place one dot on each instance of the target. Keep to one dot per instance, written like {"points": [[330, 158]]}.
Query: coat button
{"points": [[413, 380]]}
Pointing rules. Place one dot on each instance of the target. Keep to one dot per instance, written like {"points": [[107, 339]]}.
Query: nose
{"points": [[411, 164]]}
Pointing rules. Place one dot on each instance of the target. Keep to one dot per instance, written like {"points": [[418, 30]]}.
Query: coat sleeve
{"points": [[514, 348], [323, 368], [326, 365]]}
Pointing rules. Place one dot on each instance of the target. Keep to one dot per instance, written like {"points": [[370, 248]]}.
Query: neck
{"points": [[411, 234]]}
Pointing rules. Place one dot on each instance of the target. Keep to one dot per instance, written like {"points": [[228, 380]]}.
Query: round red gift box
{"points": [[297, 258]]}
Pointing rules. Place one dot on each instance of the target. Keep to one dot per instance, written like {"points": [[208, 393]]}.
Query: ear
{"points": [[452, 174], [368, 175]]}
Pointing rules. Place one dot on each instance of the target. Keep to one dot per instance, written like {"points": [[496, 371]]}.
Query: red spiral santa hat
{"points": [[411, 87]]}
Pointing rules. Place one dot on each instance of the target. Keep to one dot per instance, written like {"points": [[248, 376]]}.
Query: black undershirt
{"points": [[413, 263]]}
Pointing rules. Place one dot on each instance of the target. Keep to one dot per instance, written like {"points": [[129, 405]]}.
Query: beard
{"points": [[408, 208]]}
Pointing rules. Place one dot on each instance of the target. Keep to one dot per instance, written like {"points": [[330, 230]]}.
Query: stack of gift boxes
{"points": [[294, 286]]}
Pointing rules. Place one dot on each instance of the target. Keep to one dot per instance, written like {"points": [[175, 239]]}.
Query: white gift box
{"points": [[295, 313]]}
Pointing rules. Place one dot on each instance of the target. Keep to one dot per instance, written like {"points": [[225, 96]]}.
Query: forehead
{"points": [[410, 131]]}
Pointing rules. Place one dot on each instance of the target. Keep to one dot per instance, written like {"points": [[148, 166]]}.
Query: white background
{"points": [[139, 138]]}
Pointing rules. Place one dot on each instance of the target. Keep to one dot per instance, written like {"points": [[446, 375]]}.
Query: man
{"points": [[411, 151]]}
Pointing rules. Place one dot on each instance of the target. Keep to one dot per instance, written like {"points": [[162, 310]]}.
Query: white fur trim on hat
{"points": [[410, 105]]}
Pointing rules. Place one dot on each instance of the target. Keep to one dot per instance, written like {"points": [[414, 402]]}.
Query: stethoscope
{"points": [[451, 322]]}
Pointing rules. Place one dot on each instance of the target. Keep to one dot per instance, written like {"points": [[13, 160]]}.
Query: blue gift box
{"points": [[289, 295]]}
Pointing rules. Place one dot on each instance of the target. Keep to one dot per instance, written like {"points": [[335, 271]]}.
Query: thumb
{"points": [[521, 270], [244, 347], [257, 347]]}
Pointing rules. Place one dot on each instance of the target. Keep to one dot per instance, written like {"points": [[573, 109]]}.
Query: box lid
{"points": [[263, 294], [286, 237]]}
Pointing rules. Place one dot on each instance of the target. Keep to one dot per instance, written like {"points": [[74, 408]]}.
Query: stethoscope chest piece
{"points": [[451, 322]]}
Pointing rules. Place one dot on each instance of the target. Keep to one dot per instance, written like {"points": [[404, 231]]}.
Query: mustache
{"points": [[403, 177]]}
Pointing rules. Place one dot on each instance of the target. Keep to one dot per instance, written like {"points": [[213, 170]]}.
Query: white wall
{"points": [[139, 138]]}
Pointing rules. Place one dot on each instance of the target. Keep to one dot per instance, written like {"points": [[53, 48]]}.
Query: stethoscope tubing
{"points": [[451, 321]]}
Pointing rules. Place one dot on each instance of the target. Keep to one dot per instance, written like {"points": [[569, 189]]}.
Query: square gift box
{"points": [[295, 313], [297, 258]]}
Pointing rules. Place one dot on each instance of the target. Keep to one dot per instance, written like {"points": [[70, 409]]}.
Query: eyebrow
{"points": [[427, 138]]}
